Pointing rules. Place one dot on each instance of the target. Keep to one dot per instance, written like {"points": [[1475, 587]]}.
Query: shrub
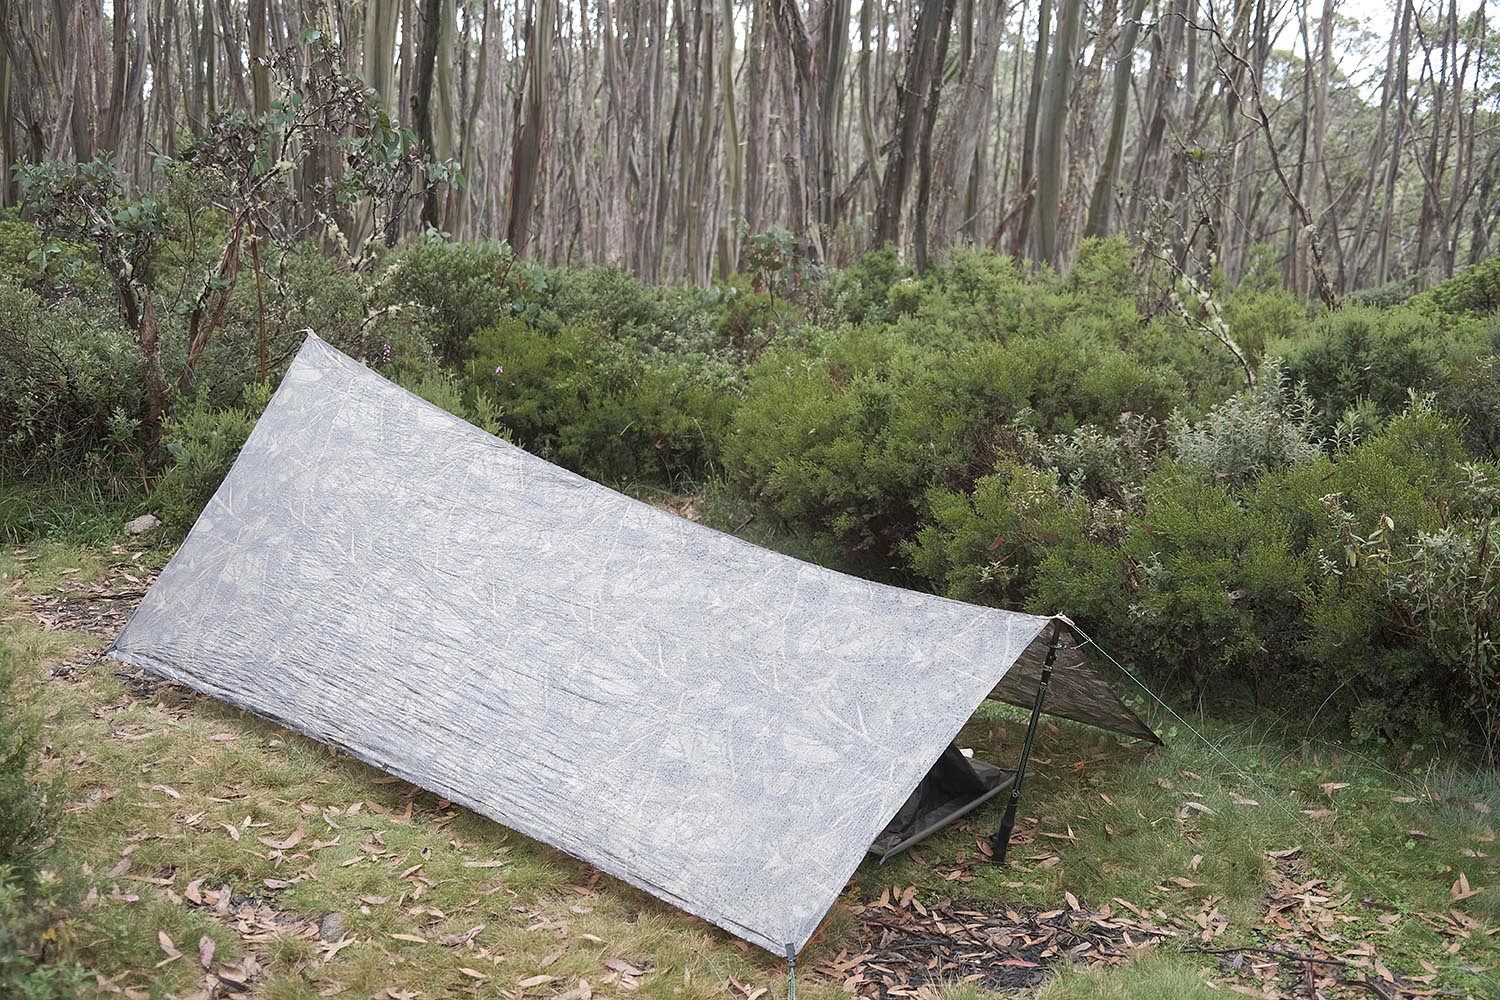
{"points": [[842, 442], [1381, 355], [861, 292], [203, 441], [1257, 318], [1266, 427], [27, 924], [1104, 270], [69, 387], [1475, 289], [984, 546], [1200, 591], [1475, 399], [1104, 465], [461, 288], [28, 892], [579, 399], [673, 321], [27, 804]]}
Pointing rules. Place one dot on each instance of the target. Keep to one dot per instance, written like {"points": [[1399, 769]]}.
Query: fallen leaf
{"points": [[622, 967], [283, 845], [528, 983], [1461, 889]]}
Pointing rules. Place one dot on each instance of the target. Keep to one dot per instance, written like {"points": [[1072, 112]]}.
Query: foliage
{"points": [[985, 546], [461, 288], [27, 931], [842, 440], [1364, 354], [1475, 289], [1024, 441], [1264, 427], [203, 441], [578, 398], [69, 388], [27, 803]]}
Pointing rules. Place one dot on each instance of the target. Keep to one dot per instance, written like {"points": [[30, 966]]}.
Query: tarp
{"points": [[723, 726]]}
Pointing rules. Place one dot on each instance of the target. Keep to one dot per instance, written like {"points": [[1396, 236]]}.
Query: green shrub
{"points": [[203, 441], [70, 380], [1474, 398], [582, 400], [1475, 289], [27, 804], [1104, 271], [842, 441], [1201, 591], [861, 292], [29, 969], [461, 288], [1382, 356], [1262, 428], [985, 546], [28, 891], [1258, 318], [1103, 465]]}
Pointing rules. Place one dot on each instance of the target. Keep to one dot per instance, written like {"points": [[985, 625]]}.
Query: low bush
{"points": [[27, 803], [459, 289], [579, 398], [1476, 289], [1266, 427], [203, 441], [1382, 356], [70, 394], [841, 441], [29, 892]]}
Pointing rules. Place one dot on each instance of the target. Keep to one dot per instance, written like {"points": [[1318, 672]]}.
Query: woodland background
{"points": [[657, 135]]}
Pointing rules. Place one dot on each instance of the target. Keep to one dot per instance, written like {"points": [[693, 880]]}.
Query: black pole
{"points": [[1001, 840]]}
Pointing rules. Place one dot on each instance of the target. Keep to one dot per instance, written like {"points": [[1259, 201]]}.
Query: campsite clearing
{"points": [[206, 852]]}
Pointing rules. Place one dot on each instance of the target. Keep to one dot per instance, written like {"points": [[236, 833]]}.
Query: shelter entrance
{"points": [[955, 787]]}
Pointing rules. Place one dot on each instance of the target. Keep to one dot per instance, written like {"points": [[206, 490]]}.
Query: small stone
{"points": [[331, 928], [142, 524]]}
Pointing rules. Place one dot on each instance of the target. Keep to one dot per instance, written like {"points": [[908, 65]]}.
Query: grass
{"points": [[172, 796]]}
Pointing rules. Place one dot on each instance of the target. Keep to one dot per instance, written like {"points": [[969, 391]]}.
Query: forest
{"points": [[1358, 148], [1181, 317]]}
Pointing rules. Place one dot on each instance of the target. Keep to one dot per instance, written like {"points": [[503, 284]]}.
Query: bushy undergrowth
{"points": [[28, 890], [1320, 542]]}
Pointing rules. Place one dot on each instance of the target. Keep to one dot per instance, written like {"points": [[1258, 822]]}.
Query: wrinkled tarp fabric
{"points": [[723, 726]]}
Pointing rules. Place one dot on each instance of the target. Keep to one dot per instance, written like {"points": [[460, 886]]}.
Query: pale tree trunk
{"points": [[530, 143], [916, 85], [1102, 200], [1049, 163], [1026, 188], [958, 142]]}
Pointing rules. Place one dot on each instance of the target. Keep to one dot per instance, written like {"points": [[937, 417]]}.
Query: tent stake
{"points": [[1001, 840]]}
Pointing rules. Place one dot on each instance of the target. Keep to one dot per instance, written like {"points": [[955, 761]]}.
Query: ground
{"points": [[208, 853]]}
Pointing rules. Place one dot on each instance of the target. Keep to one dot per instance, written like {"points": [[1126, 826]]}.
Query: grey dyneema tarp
{"points": [[723, 726]]}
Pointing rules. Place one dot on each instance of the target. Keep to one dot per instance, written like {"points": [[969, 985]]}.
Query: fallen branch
{"points": [[1290, 956]]}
